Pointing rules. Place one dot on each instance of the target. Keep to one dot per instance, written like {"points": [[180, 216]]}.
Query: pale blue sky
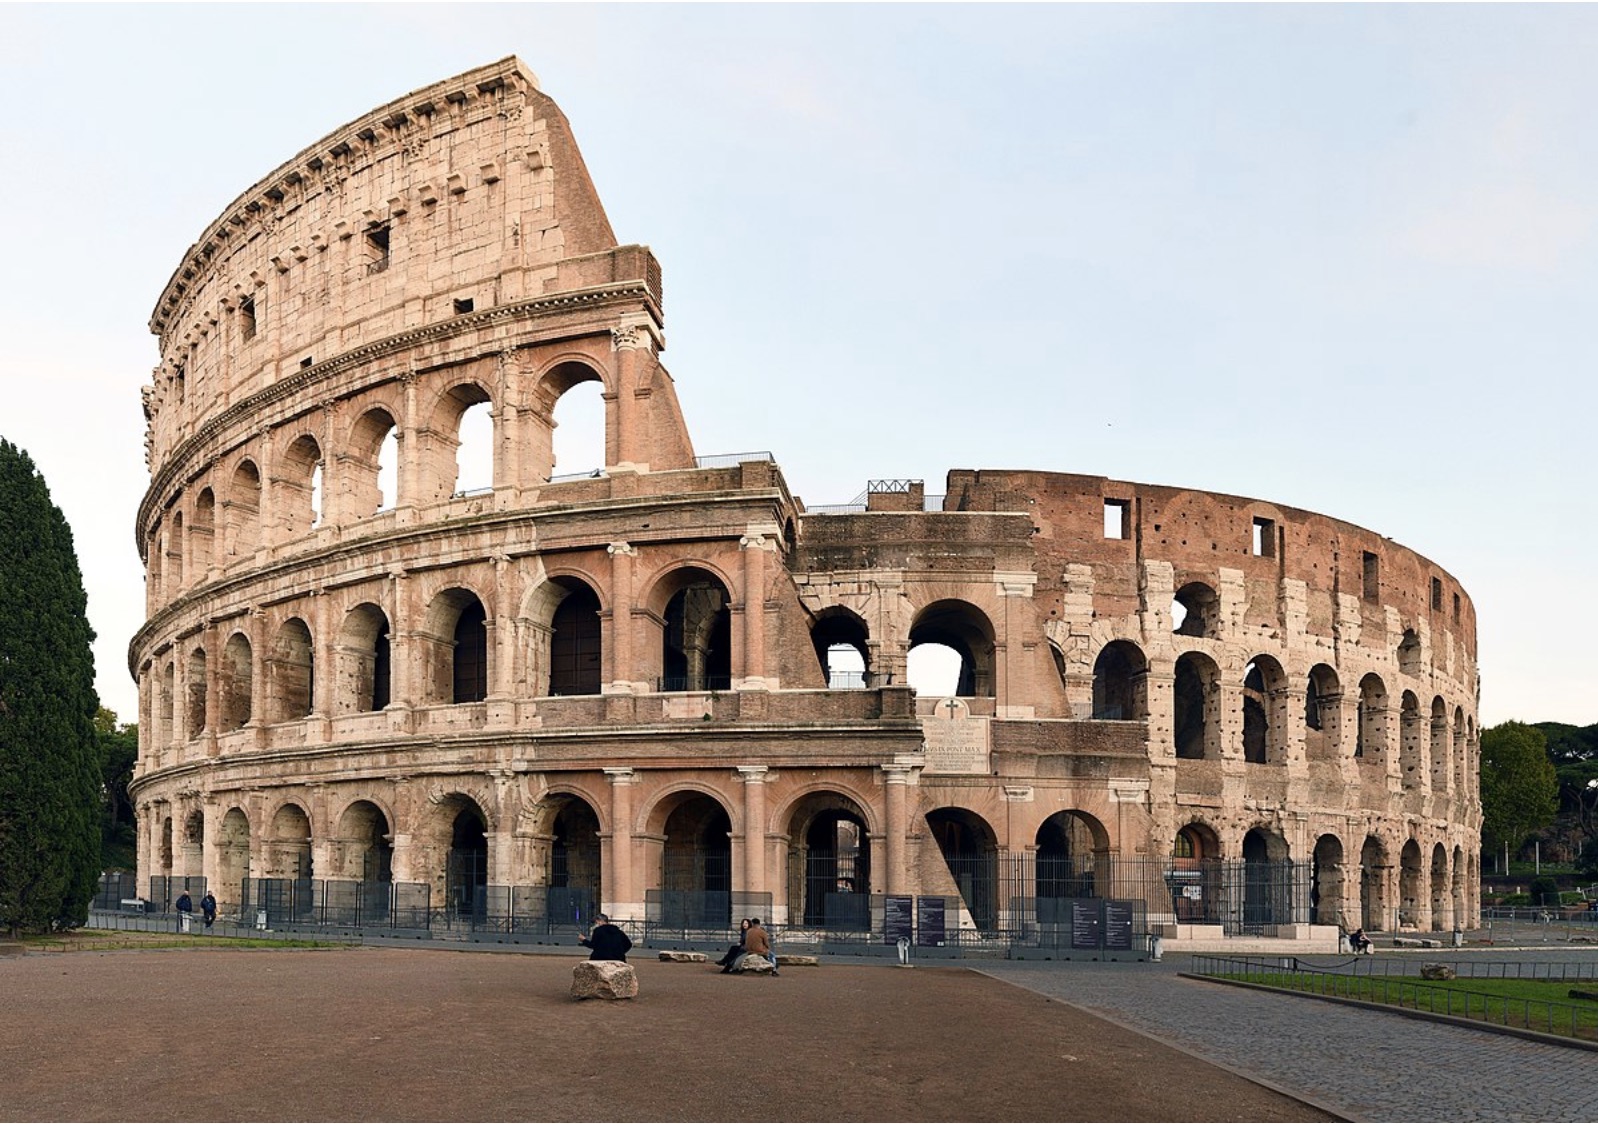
{"points": [[1341, 258]]}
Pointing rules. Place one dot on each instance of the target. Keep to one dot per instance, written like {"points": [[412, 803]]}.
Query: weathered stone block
{"points": [[604, 979]]}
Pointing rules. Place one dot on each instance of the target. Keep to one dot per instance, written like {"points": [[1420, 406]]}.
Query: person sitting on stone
{"points": [[607, 941], [737, 950], [757, 942]]}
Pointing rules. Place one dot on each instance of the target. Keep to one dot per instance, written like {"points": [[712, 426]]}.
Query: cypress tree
{"points": [[49, 759]]}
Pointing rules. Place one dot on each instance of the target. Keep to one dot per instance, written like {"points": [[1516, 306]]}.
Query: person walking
{"points": [[607, 941]]}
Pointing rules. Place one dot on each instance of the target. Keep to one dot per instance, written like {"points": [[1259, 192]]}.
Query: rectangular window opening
{"points": [[1264, 538], [247, 318], [463, 306], [1117, 519], [377, 249], [1372, 577], [1437, 595]]}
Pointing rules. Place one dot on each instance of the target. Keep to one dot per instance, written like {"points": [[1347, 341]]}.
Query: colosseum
{"points": [[371, 694]]}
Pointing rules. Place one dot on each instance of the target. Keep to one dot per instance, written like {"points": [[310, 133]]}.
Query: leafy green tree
{"points": [[119, 749], [1519, 791], [50, 761]]}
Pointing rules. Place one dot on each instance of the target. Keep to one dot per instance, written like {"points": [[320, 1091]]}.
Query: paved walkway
{"points": [[1360, 1064]]}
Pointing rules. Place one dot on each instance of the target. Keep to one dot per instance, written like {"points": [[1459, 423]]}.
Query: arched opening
{"points": [[455, 648], [1439, 746], [244, 510], [1372, 735], [1070, 846], [232, 860], [1409, 653], [235, 682], [966, 630], [574, 890], [1410, 733], [971, 852], [297, 501], [1267, 881], [202, 531], [696, 653], [829, 864], [574, 641], [1196, 611], [291, 672], [1373, 885], [1120, 683], [364, 662], [466, 867], [696, 864], [577, 438], [839, 638], [474, 456], [1323, 708], [194, 684], [1195, 876], [288, 847], [1195, 698], [1441, 918], [1264, 717], [1326, 882], [1410, 886], [174, 553], [369, 468], [165, 733]]}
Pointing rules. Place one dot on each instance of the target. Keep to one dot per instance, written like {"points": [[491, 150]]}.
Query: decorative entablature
{"points": [[441, 107]]}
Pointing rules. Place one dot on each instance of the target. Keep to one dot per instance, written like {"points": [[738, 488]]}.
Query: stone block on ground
{"points": [[604, 979], [756, 965], [786, 961], [673, 956], [1437, 972]]}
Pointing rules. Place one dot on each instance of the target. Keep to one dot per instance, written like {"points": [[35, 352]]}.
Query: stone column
{"points": [[619, 670], [897, 778], [616, 863], [754, 841], [755, 546]]}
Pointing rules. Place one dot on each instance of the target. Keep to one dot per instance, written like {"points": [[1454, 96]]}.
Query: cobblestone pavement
{"points": [[1360, 1064]]}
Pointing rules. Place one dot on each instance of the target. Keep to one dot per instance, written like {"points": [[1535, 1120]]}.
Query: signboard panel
{"points": [[929, 921], [896, 918], [1086, 924]]}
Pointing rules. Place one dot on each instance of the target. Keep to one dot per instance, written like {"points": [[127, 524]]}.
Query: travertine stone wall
{"points": [[591, 676]]}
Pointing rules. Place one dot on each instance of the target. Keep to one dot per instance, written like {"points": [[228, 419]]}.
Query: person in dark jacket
{"points": [[737, 950], [607, 941]]}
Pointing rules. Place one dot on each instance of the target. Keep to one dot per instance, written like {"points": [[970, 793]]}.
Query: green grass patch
{"points": [[1543, 1005], [116, 940]]}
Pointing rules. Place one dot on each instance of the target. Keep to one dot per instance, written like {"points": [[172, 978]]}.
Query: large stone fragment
{"points": [[604, 979], [1436, 972], [673, 956]]}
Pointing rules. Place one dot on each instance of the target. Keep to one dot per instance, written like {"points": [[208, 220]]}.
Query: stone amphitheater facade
{"points": [[631, 683]]}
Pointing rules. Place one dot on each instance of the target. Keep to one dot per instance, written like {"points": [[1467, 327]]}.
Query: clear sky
{"points": [[1337, 257]]}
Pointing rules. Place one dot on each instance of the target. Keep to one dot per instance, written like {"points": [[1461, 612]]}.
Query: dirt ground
{"points": [[405, 1034]]}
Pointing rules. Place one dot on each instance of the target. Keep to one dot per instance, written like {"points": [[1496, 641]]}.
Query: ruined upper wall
{"points": [[1200, 533], [464, 195]]}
